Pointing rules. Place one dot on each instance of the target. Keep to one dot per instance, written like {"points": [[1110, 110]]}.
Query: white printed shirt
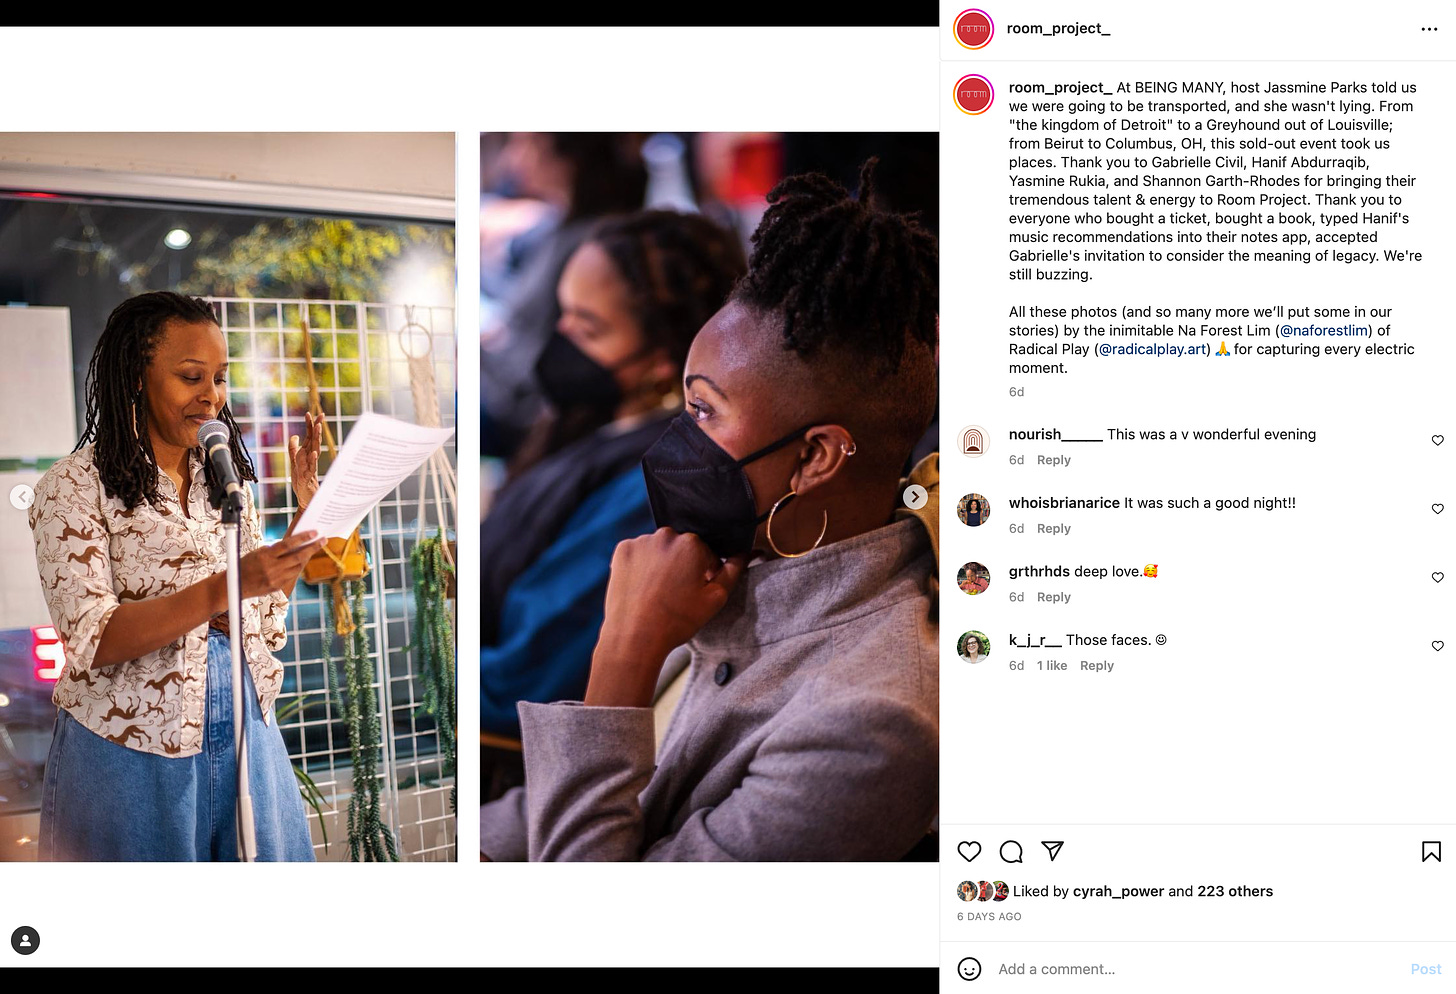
{"points": [[93, 554]]}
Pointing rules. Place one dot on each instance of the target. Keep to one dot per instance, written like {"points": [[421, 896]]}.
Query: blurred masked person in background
{"points": [[581, 177], [631, 298]]}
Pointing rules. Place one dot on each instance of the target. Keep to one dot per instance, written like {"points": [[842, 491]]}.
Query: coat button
{"points": [[722, 674]]}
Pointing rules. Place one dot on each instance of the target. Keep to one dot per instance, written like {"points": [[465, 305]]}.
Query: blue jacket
{"points": [[553, 612]]}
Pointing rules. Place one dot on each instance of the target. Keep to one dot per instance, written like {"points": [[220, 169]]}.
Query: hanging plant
{"points": [[434, 642], [369, 838], [432, 561]]}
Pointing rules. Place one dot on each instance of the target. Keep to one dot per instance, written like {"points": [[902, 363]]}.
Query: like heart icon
{"points": [[1438, 508], [1438, 576], [1438, 645], [1438, 439], [974, 848]]}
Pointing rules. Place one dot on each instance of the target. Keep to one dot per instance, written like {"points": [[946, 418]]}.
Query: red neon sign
{"points": [[50, 655]]}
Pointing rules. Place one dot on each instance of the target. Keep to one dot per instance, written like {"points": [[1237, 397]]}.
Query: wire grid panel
{"points": [[361, 364]]}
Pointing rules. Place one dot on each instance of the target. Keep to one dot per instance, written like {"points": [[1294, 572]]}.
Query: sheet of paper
{"points": [[377, 456]]}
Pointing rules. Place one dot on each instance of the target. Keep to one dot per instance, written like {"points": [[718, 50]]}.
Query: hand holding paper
{"points": [[377, 456]]}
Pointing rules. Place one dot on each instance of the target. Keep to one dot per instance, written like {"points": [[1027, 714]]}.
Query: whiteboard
{"points": [[37, 400], [22, 605]]}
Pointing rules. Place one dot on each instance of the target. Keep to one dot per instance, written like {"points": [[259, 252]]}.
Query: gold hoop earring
{"points": [[768, 530]]}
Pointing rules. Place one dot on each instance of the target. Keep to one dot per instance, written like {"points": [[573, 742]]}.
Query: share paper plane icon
{"points": [[1052, 848]]}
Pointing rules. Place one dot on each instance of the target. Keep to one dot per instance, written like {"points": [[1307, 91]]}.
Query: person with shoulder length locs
{"points": [[133, 564], [786, 582]]}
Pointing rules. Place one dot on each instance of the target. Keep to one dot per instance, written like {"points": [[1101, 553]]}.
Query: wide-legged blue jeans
{"points": [[103, 801]]}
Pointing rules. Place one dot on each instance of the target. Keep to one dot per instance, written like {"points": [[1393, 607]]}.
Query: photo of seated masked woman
{"points": [[632, 297], [787, 591]]}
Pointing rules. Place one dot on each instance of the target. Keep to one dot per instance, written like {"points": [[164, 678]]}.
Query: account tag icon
{"points": [[973, 441]]}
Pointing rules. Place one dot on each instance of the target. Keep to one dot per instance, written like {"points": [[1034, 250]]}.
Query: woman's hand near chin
{"points": [[664, 587]]}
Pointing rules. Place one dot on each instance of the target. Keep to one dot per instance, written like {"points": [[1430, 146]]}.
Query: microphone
{"points": [[213, 437]]}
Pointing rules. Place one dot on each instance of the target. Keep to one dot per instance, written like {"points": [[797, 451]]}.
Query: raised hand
{"points": [[303, 458]]}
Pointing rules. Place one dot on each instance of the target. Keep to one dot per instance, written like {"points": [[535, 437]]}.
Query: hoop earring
{"points": [[768, 530]]}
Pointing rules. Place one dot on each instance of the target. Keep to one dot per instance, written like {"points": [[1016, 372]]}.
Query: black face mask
{"points": [[572, 379], [694, 486]]}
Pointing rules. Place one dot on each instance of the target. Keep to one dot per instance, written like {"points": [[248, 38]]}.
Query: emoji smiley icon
{"points": [[1151, 569], [969, 968]]}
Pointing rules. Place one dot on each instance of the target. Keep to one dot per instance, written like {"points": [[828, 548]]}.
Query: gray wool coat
{"points": [[808, 729]]}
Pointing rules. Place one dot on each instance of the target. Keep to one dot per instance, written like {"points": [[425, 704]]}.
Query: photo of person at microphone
{"points": [[214, 343], [129, 544]]}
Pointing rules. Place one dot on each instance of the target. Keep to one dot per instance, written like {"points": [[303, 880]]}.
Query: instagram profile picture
{"points": [[973, 510], [967, 890], [973, 646], [973, 441], [1002, 891], [973, 578], [974, 94], [974, 29]]}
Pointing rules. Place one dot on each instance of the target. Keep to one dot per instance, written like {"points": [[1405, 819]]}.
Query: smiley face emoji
{"points": [[1151, 569], [969, 968]]}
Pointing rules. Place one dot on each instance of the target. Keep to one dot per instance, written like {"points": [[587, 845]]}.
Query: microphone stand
{"points": [[232, 513]]}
